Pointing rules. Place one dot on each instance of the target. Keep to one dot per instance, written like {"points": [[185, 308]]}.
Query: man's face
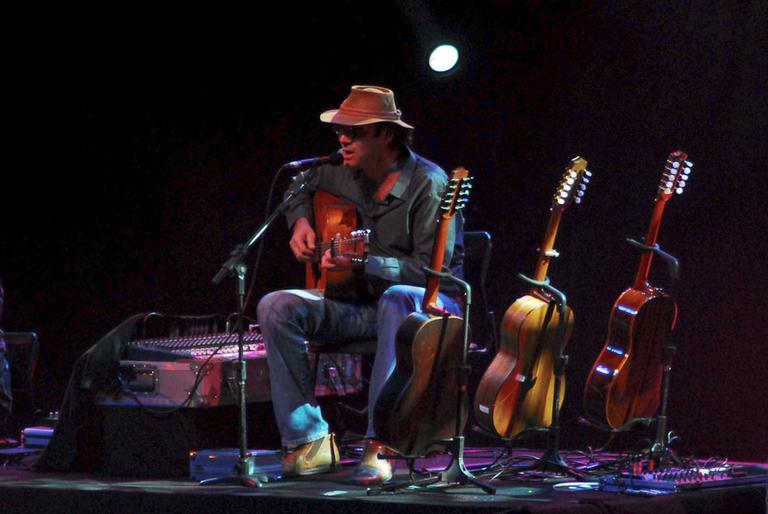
{"points": [[361, 145]]}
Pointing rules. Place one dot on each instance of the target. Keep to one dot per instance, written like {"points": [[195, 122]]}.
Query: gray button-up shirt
{"points": [[402, 226]]}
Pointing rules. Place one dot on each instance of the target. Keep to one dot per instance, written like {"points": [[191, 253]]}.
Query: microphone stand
{"points": [[235, 266]]}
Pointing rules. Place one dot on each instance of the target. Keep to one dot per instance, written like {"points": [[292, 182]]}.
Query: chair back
{"points": [[477, 258]]}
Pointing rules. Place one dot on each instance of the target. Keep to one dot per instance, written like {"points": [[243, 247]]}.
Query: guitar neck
{"points": [[644, 269], [570, 190], [355, 246], [547, 246], [454, 199], [324, 246], [429, 304]]}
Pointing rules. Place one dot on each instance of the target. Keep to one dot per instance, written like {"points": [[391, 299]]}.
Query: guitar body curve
{"points": [[625, 381], [516, 391], [418, 404], [333, 216]]}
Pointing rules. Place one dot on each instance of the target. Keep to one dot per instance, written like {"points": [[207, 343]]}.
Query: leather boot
{"points": [[318, 456]]}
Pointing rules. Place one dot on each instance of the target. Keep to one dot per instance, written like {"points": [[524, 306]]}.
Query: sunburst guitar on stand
{"points": [[335, 227], [418, 404], [625, 382], [515, 393]]}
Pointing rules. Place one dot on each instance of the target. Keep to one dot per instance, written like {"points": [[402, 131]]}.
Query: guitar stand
{"points": [[551, 460], [660, 454], [456, 474]]}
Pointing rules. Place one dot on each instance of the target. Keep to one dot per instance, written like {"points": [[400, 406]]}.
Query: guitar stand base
{"points": [[549, 463], [456, 474]]}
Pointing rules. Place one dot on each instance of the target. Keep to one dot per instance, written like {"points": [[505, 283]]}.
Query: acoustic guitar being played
{"points": [[516, 391], [335, 226], [625, 381], [418, 405]]}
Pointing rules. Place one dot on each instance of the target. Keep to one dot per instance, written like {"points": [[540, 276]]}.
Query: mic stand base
{"points": [[245, 468]]}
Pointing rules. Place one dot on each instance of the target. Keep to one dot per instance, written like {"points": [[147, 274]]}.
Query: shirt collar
{"points": [[407, 165]]}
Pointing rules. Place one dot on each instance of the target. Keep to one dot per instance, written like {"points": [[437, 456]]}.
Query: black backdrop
{"points": [[140, 147]]}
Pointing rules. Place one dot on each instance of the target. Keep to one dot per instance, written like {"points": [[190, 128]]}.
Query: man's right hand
{"points": [[303, 240]]}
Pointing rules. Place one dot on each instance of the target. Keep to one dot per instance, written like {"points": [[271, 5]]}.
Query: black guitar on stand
{"points": [[416, 407], [423, 408]]}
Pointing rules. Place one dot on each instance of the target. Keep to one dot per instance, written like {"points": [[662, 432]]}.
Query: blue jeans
{"points": [[291, 317]]}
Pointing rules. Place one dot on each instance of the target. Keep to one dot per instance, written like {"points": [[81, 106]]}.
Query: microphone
{"points": [[334, 159]]}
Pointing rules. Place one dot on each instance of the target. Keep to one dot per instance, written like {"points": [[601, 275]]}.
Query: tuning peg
{"points": [[577, 199]]}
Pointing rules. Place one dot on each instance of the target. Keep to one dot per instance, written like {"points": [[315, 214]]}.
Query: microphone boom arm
{"points": [[237, 255]]}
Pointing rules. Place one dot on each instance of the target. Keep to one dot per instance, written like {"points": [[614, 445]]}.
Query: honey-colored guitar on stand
{"points": [[625, 381], [418, 404], [516, 391]]}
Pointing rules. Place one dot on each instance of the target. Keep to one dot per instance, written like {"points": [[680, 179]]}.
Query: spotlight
{"points": [[443, 58]]}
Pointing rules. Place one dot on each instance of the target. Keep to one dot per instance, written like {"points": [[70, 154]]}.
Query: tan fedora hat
{"points": [[366, 105]]}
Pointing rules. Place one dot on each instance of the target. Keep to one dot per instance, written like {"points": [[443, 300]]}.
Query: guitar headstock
{"points": [[676, 172], [573, 185], [456, 194]]}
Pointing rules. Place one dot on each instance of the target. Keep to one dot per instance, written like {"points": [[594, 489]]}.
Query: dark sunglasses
{"points": [[351, 132]]}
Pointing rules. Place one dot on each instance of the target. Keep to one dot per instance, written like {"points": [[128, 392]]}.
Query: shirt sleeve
{"points": [[300, 205]]}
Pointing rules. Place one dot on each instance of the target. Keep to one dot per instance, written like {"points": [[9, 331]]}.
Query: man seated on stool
{"points": [[396, 194]]}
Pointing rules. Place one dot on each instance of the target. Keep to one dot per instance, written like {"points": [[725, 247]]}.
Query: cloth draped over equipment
{"points": [[94, 371]]}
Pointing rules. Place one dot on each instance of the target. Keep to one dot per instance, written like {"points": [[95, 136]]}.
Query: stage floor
{"points": [[742, 489]]}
